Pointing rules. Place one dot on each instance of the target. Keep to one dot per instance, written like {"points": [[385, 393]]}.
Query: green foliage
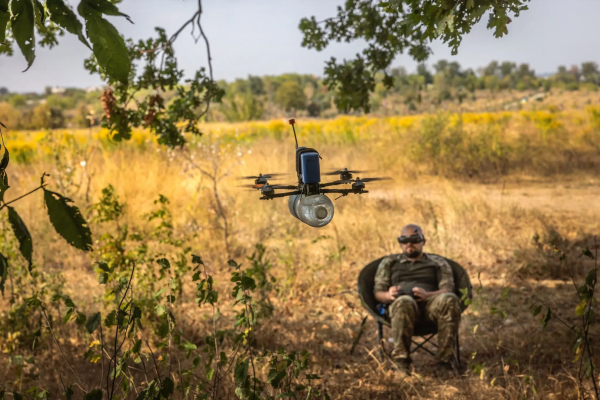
{"points": [[3, 272], [391, 28], [68, 221], [242, 107], [64, 17], [108, 208], [584, 311], [22, 24], [4, 19], [108, 45], [290, 96], [22, 234]]}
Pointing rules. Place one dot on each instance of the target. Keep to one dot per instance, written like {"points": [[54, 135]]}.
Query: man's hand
{"points": [[393, 292], [421, 294]]}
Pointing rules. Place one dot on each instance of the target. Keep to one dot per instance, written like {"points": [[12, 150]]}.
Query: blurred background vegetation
{"points": [[445, 85]]}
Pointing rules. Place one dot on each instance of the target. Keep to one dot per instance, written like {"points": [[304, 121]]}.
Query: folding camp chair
{"points": [[424, 329]]}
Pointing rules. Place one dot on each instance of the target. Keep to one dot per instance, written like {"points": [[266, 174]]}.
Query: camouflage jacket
{"points": [[431, 273]]}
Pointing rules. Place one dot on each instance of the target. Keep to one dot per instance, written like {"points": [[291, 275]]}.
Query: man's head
{"points": [[412, 240]]}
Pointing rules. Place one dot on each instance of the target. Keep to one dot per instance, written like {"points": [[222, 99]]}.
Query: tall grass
{"points": [[449, 145], [506, 233]]}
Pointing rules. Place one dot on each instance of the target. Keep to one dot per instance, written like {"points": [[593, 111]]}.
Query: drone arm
{"points": [[272, 196], [343, 191], [285, 186], [335, 183]]}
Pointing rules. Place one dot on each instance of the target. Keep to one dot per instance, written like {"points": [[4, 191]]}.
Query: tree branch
{"points": [[25, 195]]}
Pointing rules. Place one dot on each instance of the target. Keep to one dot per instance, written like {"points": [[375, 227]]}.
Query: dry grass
{"points": [[488, 225]]}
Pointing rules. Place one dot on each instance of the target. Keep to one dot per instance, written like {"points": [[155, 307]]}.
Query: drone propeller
{"points": [[261, 185], [262, 176], [354, 181], [343, 171], [372, 179], [255, 186]]}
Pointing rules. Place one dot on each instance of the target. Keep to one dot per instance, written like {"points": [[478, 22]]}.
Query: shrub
{"points": [[290, 96]]}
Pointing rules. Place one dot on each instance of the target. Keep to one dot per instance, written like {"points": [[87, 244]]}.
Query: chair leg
{"points": [[380, 338], [421, 345]]}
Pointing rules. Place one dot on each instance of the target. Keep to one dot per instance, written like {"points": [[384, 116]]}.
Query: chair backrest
{"points": [[366, 283]]}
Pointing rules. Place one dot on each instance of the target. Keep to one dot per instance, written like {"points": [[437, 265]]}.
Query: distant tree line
{"points": [[257, 97]]}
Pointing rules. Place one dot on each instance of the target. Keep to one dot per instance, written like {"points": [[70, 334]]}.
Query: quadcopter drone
{"points": [[307, 200]]}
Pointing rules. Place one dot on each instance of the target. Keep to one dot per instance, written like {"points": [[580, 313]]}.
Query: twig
{"points": [[103, 349], [25, 195], [60, 348], [153, 358], [117, 348], [359, 335]]}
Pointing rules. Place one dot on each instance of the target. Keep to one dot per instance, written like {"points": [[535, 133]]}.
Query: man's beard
{"points": [[413, 254]]}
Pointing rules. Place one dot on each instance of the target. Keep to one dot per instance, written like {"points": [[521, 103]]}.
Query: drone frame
{"points": [[268, 191]]}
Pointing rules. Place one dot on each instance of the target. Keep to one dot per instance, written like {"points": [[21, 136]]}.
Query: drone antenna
{"points": [[292, 122]]}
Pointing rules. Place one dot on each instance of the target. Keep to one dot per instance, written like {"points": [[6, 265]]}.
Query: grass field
{"points": [[496, 192]]}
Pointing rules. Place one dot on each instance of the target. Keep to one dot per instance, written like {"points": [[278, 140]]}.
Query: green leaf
{"points": [[3, 272], [102, 278], [103, 266], [22, 23], [196, 361], [137, 313], [106, 7], [4, 18], [40, 12], [93, 322], [210, 373], [81, 319], [546, 319], [164, 263], [68, 221], [69, 392], [161, 310], [167, 387], [197, 259], [275, 377], [22, 235], [68, 315], [17, 396], [108, 45], [95, 394], [588, 254], [537, 310], [137, 347], [3, 184], [111, 319], [63, 16], [240, 373], [6, 156], [248, 283], [580, 309], [590, 280]]}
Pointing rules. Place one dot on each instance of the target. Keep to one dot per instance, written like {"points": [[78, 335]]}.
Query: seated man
{"points": [[418, 285]]}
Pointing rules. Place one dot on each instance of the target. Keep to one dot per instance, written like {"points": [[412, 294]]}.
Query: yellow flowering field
{"points": [[448, 144]]}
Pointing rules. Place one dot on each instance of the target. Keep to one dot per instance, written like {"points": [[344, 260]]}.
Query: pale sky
{"points": [[261, 37]]}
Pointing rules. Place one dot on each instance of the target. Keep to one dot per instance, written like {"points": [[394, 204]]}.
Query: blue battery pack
{"points": [[311, 170]]}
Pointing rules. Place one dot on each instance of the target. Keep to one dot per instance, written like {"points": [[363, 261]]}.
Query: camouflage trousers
{"points": [[404, 313]]}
